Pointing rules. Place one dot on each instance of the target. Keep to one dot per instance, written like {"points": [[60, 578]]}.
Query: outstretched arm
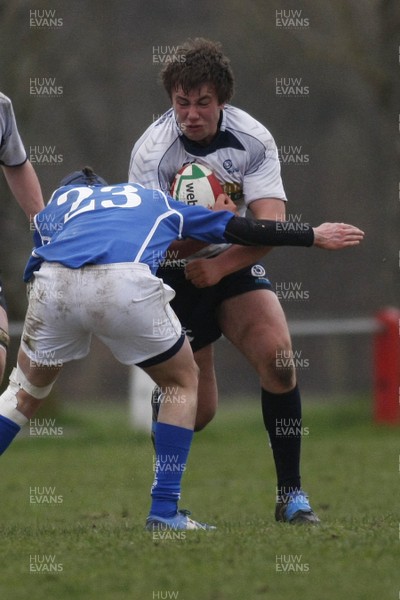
{"points": [[264, 233], [330, 236]]}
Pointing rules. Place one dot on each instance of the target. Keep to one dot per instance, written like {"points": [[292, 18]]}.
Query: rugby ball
{"points": [[196, 185]]}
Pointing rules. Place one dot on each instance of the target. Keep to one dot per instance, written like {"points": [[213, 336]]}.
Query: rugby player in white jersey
{"points": [[223, 290], [25, 187], [98, 259]]}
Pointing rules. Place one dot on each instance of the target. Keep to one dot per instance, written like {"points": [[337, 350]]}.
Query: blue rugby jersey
{"points": [[83, 225]]}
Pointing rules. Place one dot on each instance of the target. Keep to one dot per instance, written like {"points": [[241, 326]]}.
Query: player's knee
{"points": [[19, 381], [286, 378], [9, 400], [9, 403], [281, 371]]}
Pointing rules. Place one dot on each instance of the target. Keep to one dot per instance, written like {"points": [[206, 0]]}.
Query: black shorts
{"points": [[197, 307]]}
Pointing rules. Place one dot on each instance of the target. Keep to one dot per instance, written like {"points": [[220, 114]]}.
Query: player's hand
{"points": [[224, 202], [334, 236], [203, 272]]}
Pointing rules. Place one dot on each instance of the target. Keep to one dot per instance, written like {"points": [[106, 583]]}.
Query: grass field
{"points": [[87, 541]]}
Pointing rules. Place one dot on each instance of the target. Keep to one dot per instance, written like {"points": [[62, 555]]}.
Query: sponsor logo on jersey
{"points": [[234, 191]]}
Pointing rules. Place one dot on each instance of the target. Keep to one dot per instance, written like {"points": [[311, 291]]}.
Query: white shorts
{"points": [[122, 304]]}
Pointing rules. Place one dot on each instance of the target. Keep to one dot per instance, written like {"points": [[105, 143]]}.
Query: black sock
{"points": [[282, 419]]}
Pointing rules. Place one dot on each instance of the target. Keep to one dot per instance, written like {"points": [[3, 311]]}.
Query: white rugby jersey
{"points": [[243, 153], [12, 151]]}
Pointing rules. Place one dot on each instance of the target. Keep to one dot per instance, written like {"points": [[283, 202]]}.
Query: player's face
{"points": [[197, 113]]}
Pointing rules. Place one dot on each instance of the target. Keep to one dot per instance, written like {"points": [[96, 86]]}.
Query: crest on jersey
{"points": [[228, 166]]}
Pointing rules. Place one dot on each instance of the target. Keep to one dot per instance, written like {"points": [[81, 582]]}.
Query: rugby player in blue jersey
{"points": [[92, 272]]}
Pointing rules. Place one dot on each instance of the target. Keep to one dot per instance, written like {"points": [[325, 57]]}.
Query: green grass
{"points": [[103, 473]]}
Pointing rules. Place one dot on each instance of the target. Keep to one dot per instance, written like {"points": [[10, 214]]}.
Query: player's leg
{"points": [[140, 327], [50, 338], [196, 310], [17, 405], [28, 387], [178, 377], [207, 390], [255, 323]]}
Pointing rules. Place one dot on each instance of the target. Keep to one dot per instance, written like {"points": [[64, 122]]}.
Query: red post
{"points": [[387, 367]]}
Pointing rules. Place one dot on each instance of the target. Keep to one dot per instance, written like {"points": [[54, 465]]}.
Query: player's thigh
{"points": [[195, 308], [134, 318], [53, 331], [256, 324]]}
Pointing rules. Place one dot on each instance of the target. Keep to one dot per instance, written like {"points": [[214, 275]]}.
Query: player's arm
{"points": [[184, 248], [266, 232], [205, 272], [25, 187], [330, 236]]}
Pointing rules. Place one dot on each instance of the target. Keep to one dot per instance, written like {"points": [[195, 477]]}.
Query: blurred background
{"points": [[322, 76]]}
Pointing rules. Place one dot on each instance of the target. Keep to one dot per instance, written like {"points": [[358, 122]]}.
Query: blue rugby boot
{"points": [[294, 508]]}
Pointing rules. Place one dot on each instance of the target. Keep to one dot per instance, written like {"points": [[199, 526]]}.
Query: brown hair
{"points": [[199, 61]]}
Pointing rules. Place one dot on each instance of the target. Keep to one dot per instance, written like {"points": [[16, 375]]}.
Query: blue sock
{"points": [[8, 431], [172, 450]]}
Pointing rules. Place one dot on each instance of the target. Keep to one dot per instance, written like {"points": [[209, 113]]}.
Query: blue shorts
{"points": [[196, 308]]}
